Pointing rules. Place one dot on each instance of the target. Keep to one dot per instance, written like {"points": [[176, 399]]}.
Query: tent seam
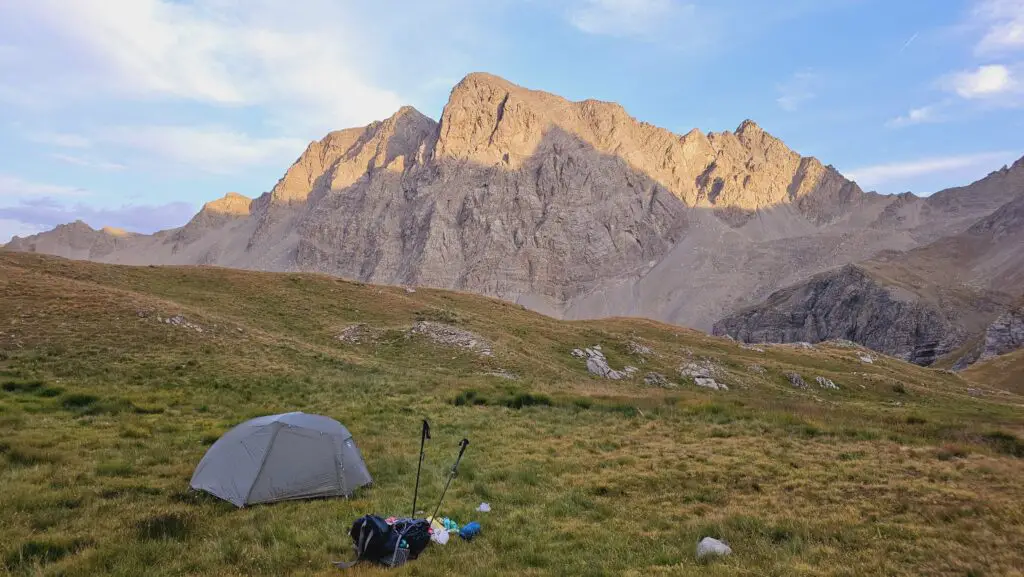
{"points": [[338, 467], [270, 447]]}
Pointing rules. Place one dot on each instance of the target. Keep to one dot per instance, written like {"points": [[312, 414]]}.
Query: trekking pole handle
{"points": [[462, 444]]}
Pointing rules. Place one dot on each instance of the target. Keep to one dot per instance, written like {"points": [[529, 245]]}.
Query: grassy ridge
{"points": [[105, 410]]}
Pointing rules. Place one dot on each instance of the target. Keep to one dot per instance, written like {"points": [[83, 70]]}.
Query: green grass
{"points": [[105, 413]]}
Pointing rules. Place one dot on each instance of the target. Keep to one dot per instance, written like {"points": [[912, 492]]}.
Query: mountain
{"points": [[575, 209], [936, 300]]}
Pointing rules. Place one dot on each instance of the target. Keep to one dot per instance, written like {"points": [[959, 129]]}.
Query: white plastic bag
{"points": [[439, 536], [484, 507]]}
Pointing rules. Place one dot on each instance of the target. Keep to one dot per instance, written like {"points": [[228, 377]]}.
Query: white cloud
{"points": [[87, 163], [296, 58], [797, 90], [211, 149], [61, 139], [922, 115], [984, 82], [17, 187], [871, 176], [625, 17], [1003, 22]]}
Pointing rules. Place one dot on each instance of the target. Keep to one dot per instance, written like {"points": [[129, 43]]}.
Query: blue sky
{"points": [[132, 113]]}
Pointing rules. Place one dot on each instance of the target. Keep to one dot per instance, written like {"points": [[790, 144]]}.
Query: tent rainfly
{"points": [[281, 457]]}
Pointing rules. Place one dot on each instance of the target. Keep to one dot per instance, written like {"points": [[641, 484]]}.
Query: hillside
{"points": [[574, 209], [116, 379], [920, 305]]}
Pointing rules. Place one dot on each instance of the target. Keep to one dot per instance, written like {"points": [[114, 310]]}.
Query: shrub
{"points": [[22, 386], [527, 400], [76, 401], [1006, 443]]}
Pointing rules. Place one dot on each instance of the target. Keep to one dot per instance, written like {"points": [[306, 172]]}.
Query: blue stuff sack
{"points": [[470, 530]]}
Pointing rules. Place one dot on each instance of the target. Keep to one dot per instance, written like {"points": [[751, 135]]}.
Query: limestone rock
{"points": [[656, 380], [597, 364], [709, 546], [796, 380], [638, 349], [449, 336], [709, 383], [705, 368], [826, 383], [1005, 334], [357, 334]]}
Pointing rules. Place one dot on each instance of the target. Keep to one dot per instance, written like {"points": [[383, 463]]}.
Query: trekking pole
{"points": [[455, 469], [423, 439]]}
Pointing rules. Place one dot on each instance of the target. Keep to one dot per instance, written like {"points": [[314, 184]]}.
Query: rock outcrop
{"points": [[848, 304], [1005, 334], [918, 305]]}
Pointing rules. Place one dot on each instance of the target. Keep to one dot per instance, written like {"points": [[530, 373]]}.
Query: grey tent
{"points": [[280, 457]]}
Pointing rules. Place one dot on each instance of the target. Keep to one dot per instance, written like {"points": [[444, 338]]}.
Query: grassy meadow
{"points": [[105, 412]]}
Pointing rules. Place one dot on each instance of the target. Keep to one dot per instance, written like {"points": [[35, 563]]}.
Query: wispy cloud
{"points": [[872, 176], [60, 139], [1003, 25], [87, 163], [213, 149], [290, 57], [800, 88], [44, 213], [626, 17], [13, 186], [922, 115]]}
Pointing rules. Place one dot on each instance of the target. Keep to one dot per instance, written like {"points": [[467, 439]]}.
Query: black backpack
{"points": [[376, 541]]}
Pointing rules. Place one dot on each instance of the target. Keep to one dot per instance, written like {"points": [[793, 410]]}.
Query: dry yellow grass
{"points": [[104, 414]]}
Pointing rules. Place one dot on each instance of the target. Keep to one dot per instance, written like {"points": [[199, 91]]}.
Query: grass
{"points": [[900, 472]]}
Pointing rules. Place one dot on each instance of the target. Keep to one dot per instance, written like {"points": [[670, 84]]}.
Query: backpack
{"points": [[376, 541]]}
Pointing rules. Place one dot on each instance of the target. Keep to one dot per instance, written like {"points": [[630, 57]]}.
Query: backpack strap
{"points": [[360, 547]]}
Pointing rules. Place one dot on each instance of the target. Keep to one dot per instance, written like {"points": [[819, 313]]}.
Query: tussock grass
{"points": [[900, 472]]}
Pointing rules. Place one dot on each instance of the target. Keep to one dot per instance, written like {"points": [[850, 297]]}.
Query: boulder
{"points": [[709, 546], [656, 380], [796, 380], [597, 364], [636, 348], [826, 383], [709, 383]]}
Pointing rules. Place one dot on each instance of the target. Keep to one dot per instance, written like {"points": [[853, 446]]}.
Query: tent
{"points": [[280, 457]]}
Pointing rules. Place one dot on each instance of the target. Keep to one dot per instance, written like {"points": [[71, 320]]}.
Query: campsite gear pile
{"points": [[300, 456], [390, 542], [394, 541], [281, 457]]}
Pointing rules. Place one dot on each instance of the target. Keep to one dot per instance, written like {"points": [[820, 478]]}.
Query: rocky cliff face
{"points": [[848, 304], [919, 304], [1006, 334]]}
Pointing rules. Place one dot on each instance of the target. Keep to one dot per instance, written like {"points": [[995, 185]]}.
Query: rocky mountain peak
{"points": [[231, 203], [343, 156], [115, 231]]}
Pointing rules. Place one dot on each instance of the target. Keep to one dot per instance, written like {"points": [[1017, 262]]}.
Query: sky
{"points": [[132, 113]]}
